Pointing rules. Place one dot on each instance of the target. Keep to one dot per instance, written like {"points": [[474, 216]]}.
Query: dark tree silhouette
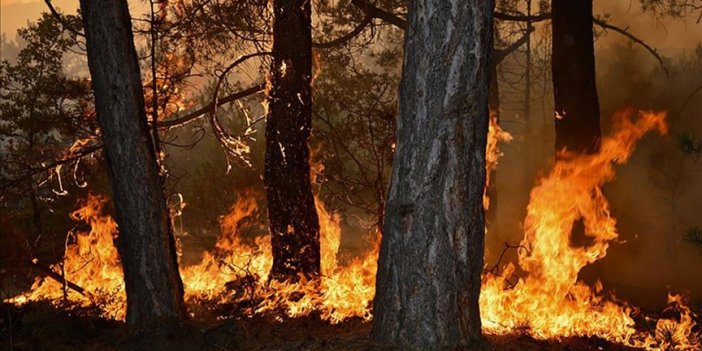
{"points": [[292, 216], [431, 255], [145, 242], [573, 68]]}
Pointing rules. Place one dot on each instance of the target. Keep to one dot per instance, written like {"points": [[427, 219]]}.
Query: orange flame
{"points": [[495, 136], [342, 292], [547, 302], [550, 302], [91, 262]]}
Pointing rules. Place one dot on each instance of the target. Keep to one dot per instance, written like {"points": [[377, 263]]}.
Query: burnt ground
{"points": [[41, 326]]}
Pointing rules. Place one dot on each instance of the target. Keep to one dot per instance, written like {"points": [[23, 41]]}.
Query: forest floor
{"points": [[40, 326]]}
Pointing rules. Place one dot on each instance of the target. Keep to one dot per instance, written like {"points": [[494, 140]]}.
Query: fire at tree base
{"points": [[545, 300]]}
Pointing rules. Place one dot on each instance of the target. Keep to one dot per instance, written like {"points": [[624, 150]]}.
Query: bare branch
{"points": [[522, 18], [689, 98], [500, 54], [179, 121], [595, 20], [624, 32], [376, 12], [62, 20], [345, 38], [56, 276], [75, 156], [226, 139]]}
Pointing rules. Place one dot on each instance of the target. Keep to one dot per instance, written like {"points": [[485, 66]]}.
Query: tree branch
{"points": [[633, 38], [226, 139], [344, 38], [595, 20], [179, 121], [522, 18], [680, 110], [57, 277], [74, 157], [500, 54], [62, 20], [376, 12]]}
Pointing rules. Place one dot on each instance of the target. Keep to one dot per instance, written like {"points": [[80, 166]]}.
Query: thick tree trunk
{"points": [[145, 242], [292, 215], [573, 67], [431, 255]]}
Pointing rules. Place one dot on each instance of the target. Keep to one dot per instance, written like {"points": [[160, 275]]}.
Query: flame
{"points": [[546, 300], [495, 136], [671, 334], [91, 262], [343, 291]]}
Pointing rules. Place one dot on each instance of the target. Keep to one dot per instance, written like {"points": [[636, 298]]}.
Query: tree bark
{"points": [[145, 242], [431, 256], [573, 68], [292, 215]]}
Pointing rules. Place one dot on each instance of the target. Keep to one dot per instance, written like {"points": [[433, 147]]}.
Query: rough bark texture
{"points": [[145, 242], [292, 215], [573, 67], [431, 255]]}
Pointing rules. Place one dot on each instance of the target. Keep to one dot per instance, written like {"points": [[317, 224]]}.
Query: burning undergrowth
{"points": [[540, 295]]}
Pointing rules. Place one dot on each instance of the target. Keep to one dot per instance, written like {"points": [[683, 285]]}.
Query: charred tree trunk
{"points": [[573, 68], [431, 255], [292, 215], [145, 242]]}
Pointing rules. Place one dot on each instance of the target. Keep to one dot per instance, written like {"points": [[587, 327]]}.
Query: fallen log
{"points": [[36, 264]]}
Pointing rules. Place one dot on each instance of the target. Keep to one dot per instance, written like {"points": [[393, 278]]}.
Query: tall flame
{"points": [[547, 301]]}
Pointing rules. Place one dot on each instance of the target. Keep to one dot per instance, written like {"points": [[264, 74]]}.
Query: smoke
{"points": [[657, 196]]}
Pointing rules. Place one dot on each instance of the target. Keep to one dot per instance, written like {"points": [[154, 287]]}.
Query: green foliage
{"points": [[43, 112]]}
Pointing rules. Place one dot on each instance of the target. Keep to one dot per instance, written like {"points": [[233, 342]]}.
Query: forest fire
{"points": [[92, 264], [292, 174], [547, 300]]}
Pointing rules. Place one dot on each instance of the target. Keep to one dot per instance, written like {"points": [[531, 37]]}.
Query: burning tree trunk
{"points": [[431, 254], [145, 242], [292, 215], [573, 67]]}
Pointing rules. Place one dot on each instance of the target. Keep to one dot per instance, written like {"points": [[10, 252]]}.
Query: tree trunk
{"points": [[431, 256], [573, 67], [145, 242], [292, 215]]}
